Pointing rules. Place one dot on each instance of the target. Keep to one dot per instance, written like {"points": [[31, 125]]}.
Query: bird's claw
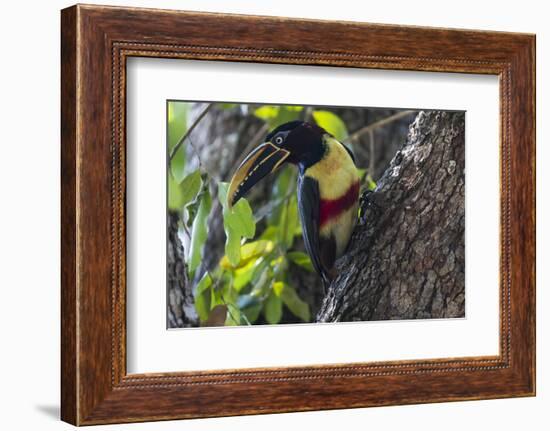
{"points": [[368, 203]]}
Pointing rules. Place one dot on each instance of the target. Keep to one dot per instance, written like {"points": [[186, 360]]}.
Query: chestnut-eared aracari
{"points": [[328, 186]]}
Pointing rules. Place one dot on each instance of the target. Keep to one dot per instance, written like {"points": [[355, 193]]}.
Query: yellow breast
{"points": [[335, 172]]}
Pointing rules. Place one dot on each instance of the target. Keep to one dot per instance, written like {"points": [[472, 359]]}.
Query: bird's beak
{"points": [[263, 160]]}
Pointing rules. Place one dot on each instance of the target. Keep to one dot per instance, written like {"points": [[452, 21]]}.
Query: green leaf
{"points": [[246, 301], [175, 195], [233, 316], [251, 306], [284, 184], [232, 246], [290, 222], [248, 252], [291, 299], [267, 112], [179, 195], [262, 277], [280, 267], [190, 186], [238, 222], [275, 115], [228, 105], [199, 232], [273, 309], [270, 233], [177, 127], [192, 207], [241, 219], [243, 275], [202, 296], [301, 259], [332, 123], [278, 288]]}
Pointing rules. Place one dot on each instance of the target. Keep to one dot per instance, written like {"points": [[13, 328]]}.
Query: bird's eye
{"points": [[278, 140]]}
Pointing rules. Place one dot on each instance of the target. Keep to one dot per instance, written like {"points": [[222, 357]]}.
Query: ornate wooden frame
{"points": [[95, 42]]}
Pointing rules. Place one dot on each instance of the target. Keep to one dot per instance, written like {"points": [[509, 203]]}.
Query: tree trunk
{"points": [[180, 304], [406, 257]]}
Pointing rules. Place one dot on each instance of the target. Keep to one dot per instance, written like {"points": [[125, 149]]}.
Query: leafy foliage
{"points": [[251, 283]]}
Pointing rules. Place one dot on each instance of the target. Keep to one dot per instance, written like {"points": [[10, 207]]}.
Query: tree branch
{"points": [[406, 257], [377, 124], [184, 137]]}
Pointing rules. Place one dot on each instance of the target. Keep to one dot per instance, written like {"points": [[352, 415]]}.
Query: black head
{"points": [[303, 140], [296, 142]]}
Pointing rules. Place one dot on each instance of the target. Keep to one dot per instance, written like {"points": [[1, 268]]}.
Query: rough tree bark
{"points": [[180, 304], [375, 155], [406, 257]]}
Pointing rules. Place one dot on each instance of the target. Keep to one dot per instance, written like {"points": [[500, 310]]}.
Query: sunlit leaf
{"points": [[202, 296], [273, 309], [278, 287], [280, 266], [276, 115], [301, 259], [199, 232], [332, 123], [249, 251], [243, 275], [267, 112]]}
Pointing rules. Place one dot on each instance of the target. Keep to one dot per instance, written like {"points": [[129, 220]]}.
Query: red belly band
{"points": [[332, 208]]}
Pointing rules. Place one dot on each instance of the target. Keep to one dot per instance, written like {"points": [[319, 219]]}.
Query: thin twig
{"points": [[378, 124], [371, 153], [197, 153], [184, 137], [254, 142], [229, 310], [216, 281], [308, 113], [268, 208]]}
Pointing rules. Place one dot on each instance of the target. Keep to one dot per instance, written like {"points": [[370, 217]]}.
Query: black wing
{"points": [[349, 152], [308, 204]]}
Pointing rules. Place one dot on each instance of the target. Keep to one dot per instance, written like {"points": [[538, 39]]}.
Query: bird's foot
{"points": [[369, 205]]}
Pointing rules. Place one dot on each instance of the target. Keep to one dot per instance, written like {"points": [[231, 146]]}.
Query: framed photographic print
{"points": [[247, 218]]}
